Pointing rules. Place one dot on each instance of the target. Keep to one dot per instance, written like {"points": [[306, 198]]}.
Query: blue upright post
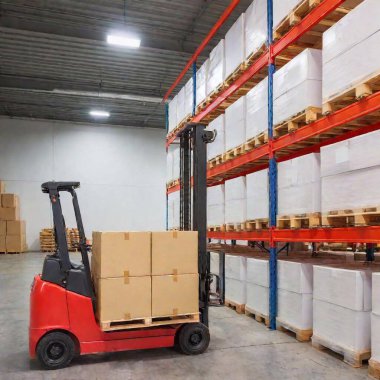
{"points": [[272, 179], [194, 87], [167, 130]]}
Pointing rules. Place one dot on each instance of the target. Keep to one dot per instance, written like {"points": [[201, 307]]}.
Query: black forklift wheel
{"points": [[193, 339], [55, 350]]}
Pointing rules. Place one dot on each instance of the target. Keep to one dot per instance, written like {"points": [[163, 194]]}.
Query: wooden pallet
{"points": [[255, 142], [231, 227], [148, 322], [301, 335], [216, 228], [172, 183], [255, 55], [218, 160], [369, 216], [256, 224], [354, 359], [374, 369], [13, 253], [309, 220], [240, 309], [295, 17], [210, 98], [259, 317], [307, 116], [232, 153], [235, 74], [355, 93]]}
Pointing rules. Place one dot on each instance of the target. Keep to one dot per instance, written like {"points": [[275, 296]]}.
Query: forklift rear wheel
{"points": [[193, 339], [56, 350]]}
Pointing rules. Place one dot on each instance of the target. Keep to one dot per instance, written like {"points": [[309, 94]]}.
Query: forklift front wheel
{"points": [[193, 339], [56, 350]]}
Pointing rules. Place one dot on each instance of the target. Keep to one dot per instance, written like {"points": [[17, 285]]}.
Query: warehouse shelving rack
{"points": [[358, 118]]}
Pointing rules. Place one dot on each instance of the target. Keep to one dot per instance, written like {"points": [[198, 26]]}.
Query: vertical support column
{"points": [[194, 87], [272, 179], [167, 130]]}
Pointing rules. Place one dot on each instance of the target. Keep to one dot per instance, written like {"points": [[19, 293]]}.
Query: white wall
{"points": [[122, 173]]}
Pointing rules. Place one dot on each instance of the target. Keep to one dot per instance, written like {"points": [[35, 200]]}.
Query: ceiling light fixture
{"points": [[125, 41], [100, 114]]}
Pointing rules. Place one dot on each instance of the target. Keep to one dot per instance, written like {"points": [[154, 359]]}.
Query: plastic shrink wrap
{"points": [[189, 98], [235, 200], [258, 285], [218, 147], [255, 27], [281, 9], [235, 124], [234, 46], [201, 84], [217, 68], [215, 205], [173, 114], [257, 195]]}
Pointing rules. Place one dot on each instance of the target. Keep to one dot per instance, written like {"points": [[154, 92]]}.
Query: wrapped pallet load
{"points": [[181, 105], [189, 98], [342, 312], [235, 124], [173, 114], [215, 206], [235, 274], [201, 79], [217, 69], [374, 363], [282, 9], [298, 87], [299, 191], [235, 203], [234, 46], [257, 110], [257, 197], [174, 210], [354, 163], [350, 55], [169, 166], [258, 288], [255, 28], [295, 298], [218, 147]]}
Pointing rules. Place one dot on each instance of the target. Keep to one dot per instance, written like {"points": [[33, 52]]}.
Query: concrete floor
{"points": [[240, 347]]}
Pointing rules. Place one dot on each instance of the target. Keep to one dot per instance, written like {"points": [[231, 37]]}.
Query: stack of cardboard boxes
{"points": [[145, 275], [12, 229]]}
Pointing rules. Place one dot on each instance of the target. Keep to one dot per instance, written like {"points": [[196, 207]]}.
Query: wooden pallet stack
{"points": [[47, 239]]}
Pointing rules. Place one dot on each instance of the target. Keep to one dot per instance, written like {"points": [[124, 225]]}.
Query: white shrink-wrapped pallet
{"points": [[172, 114], [375, 321], [215, 205], [235, 274], [176, 162], [258, 286], [257, 110], [235, 200], [235, 116], [299, 186], [258, 195], [217, 147], [202, 82], [169, 166], [350, 54], [342, 309], [181, 105], [281, 9], [189, 98], [255, 27], [234, 46], [217, 68], [295, 295], [174, 210], [298, 86]]}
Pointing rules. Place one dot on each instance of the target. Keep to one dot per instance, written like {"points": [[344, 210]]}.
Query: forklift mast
{"points": [[193, 147], [58, 267]]}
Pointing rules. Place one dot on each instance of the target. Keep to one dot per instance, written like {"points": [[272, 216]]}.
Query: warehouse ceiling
{"points": [[55, 62]]}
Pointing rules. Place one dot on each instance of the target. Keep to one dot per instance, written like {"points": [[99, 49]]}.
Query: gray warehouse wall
{"points": [[122, 173]]}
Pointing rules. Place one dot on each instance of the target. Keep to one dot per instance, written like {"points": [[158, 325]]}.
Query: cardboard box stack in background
{"points": [[12, 229], [342, 308], [142, 275]]}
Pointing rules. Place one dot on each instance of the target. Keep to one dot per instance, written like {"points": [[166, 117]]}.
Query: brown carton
{"points": [[2, 187], [9, 213], [123, 298], [15, 243], [116, 254], [3, 227], [174, 295], [9, 200], [174, 252], [3, 247], [15, 227]]}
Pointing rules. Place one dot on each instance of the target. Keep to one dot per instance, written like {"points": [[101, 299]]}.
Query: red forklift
{"points": [[63, 302]]}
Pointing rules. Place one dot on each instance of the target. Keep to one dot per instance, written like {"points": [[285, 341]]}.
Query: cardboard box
{"points": [[9, 213], [116, 254], [174, 295], [15, 243], [3, 227], [174, 252], [15, 227], [2, 187], [9, 200], [123, 298], [3, 247]]}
